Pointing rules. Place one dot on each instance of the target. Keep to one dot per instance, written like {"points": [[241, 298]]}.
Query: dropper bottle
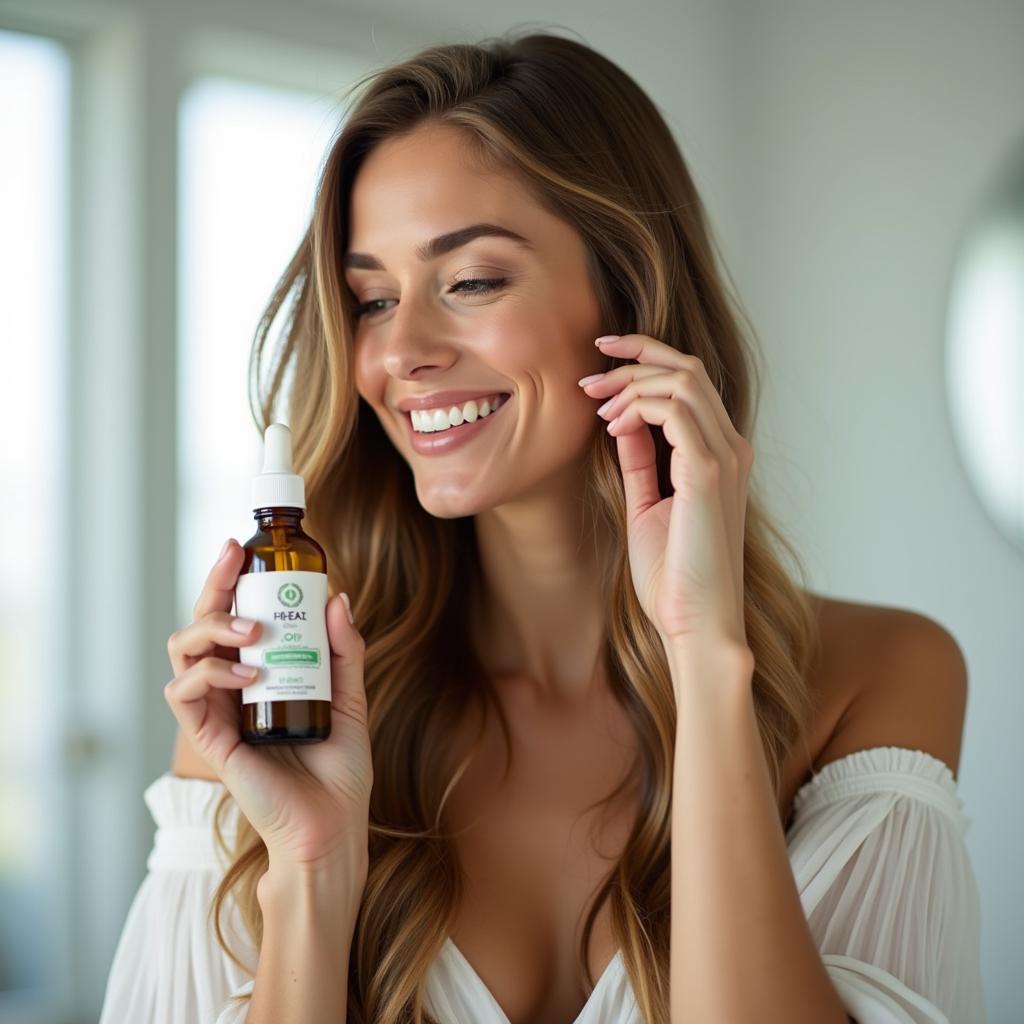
{"points": [[283, 585]]}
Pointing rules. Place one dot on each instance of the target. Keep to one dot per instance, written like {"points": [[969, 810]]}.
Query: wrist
{"points": [[346, 853], [309, 920], [338, 880], [722, 667]]}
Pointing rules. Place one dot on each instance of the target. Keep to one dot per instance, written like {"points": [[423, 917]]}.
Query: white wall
{"points": [[872, 130], [839, 148]]}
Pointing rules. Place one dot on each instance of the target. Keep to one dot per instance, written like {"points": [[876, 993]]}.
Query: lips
{"points": [[444, 441], [427, 416], [444, 399]]}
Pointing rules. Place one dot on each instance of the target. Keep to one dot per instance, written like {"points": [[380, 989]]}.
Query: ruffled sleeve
{"points": [[877, 850], [168, 967]]}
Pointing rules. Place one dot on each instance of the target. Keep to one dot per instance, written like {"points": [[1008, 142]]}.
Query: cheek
{"points": [[557, 355], [367, 376], [541, 337], [562, 327], [545, 361]]}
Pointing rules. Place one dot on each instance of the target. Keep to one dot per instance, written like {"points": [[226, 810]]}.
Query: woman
{"points": [[588, 732]]}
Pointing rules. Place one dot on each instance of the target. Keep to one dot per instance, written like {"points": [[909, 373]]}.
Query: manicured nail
{"points": [[607, 337], [607, 405], [242, 625], [348, 608], [584, 381], [611, 426]]}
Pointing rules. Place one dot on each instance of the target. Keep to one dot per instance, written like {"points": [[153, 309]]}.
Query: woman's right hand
{"points": [[309, 802]]}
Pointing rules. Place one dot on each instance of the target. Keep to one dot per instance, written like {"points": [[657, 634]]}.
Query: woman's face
{"points": [[529, 336]]}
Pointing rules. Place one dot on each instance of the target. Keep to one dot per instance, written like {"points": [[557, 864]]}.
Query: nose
{"points": [[413, 338]]}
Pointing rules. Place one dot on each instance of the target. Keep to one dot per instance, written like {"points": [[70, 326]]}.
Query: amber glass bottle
{"points": [[283, 586]]}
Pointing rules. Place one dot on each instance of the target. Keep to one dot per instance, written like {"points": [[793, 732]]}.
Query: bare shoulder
{"points": [[903, 678], [187, 764]]}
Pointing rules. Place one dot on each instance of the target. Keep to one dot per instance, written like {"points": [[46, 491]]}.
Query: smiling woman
{"points": [[575, 816], [504, 303]]}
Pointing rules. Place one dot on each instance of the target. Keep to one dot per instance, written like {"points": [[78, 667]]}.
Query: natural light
{"points": [[33, 212], [250, 158]]}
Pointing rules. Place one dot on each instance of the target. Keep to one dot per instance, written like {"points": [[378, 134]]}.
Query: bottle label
{"points": [[292, 652]]}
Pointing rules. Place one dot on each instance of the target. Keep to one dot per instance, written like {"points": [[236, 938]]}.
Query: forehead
{"points": [[429, 181]]}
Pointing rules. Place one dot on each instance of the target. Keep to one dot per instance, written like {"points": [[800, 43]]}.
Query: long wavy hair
{"points": [[593, 148]]}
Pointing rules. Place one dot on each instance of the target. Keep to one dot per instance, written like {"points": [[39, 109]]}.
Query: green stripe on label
{"points": [[293, 656]]}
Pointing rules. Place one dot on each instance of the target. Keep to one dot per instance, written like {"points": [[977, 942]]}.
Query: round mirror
{"points": [[985, 352]]}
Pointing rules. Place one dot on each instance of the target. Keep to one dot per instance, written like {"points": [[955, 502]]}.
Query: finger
{"points": [[197, 638], [211, 632], [695, 470], [679, 429], [348, 654], [651, 351], [646, 349], [613, 381], [218, 590], [687, 388], [210, 673], [210, 722], [638, 463]]}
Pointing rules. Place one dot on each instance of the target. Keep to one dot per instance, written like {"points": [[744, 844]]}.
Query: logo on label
{"points": [[290, 595]]}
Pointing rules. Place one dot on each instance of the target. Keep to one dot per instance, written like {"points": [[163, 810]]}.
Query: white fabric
{"points": [[875, 844]]}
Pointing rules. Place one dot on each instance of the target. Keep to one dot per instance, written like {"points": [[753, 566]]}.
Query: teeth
{"points": [[431, 420]]}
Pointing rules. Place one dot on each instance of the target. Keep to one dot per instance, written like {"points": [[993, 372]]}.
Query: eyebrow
{"points": [[439, 246]]}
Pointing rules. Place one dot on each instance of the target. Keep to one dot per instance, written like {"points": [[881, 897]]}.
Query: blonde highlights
{"points": [[591, 147]]}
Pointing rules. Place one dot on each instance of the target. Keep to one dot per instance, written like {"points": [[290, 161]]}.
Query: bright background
{"points": [[158, 166]]}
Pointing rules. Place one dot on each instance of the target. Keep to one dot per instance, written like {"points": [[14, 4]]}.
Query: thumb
{"points": [[348, 649]]}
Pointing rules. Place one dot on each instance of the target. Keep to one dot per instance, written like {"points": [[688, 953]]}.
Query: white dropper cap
{"points": [[277, 485]]}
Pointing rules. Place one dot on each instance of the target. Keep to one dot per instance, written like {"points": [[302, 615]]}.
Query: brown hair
{"points": [[587, 141]]}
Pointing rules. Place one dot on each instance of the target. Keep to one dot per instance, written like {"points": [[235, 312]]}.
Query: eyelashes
{"points": [[480, 285]]}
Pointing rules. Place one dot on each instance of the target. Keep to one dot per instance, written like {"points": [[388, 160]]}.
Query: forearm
{"points": [[308, 923], [741, 948]]}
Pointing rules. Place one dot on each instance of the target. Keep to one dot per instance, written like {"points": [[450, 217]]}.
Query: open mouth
{"points": [[438, 441], [418, 419]]}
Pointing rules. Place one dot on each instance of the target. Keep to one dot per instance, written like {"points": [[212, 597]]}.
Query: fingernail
{"points": [[224, 550], [348, 609], [242, 625], [583, 381], [249, 671], [607, 337], [607, 405]]}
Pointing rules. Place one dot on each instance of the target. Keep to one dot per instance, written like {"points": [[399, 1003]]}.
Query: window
{"points": [[249, 161], [95, 327], [33, 694]]}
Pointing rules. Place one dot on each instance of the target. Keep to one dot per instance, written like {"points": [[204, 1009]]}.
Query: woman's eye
{"points": [[473, 286], [487, 284]]}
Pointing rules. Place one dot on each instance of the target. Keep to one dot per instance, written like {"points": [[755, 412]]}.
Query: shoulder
{"points": [[904, 678]]}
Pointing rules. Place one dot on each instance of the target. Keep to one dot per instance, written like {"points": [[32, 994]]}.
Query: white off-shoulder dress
{"points": [[876, 844]]}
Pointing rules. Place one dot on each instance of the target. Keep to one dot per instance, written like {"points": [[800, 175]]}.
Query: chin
{"points": [[445, 503]]}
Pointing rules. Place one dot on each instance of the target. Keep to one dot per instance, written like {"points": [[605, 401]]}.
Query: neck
{"points": [[542, 617]]}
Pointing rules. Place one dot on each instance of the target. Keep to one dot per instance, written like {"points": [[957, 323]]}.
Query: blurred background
{"points": [[863, 168]]}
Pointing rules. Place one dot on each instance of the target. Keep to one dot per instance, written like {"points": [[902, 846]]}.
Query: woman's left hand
{"points": [[686, 550]]}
